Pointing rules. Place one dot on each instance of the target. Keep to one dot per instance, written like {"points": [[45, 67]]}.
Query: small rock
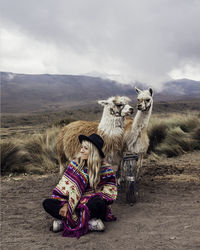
{"points": [[185, 227]]}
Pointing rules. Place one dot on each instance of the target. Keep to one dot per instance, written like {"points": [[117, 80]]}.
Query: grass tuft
{"points": [[32, 154], [175, 135], [157, 134], [9, 155]]}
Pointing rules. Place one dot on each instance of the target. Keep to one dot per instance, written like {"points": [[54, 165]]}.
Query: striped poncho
{"points": [[74, 190]]}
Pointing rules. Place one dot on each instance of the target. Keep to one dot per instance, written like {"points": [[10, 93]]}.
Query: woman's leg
{"points": [[97, 207], [52, 207]]}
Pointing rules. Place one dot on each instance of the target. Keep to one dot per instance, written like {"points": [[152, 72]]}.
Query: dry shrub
{"points": [[169, 151], [172, 145], [33, 154], [186, 122], [41, 151], [10, 152], [174, 135], [196, 138], [196, 134], [188, 125], [157, 133]]}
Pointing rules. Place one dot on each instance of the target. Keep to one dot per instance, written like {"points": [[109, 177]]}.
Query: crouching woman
{"points": [[82, 198]]}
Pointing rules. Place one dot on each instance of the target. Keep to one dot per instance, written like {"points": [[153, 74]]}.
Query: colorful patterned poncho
{"points": [[74, 190]]}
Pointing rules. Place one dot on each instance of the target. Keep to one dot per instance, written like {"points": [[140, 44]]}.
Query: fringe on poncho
{"points": [[74, 189]]}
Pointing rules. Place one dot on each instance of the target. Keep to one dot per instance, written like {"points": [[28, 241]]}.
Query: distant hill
{"points": [[183, 87], [32, 92], [27, 93]]}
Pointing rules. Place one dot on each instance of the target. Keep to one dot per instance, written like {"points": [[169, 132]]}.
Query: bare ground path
{"points": [[166, 215]]}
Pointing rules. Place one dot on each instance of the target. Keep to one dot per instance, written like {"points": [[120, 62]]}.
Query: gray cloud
{"points": [[127, 40]]}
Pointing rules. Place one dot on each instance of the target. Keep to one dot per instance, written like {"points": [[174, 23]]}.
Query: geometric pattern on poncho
{"points": [[74, 189]]}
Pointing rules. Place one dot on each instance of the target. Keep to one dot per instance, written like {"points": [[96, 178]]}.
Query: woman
{"points": [[83, 196]]}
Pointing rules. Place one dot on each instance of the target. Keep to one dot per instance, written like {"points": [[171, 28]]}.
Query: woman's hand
{"points": [[63, 211]]}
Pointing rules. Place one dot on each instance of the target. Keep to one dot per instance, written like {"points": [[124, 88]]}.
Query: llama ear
{"points": [[138, 90], [103, 102], [151, 91]]}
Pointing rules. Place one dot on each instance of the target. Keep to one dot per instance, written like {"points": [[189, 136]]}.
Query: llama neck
{"points": [[140, 122], [110, 125], [141, 119]]}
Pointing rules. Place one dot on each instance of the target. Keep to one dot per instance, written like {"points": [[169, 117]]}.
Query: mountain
{"points": [[27, 93], [183, 87], [22, 92]]}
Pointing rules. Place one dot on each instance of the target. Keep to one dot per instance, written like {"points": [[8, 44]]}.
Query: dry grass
{"points": [[35, 152], [174, 135], [31, 154], [9, 154]]}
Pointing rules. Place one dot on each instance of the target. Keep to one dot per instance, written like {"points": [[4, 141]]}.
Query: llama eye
{"points": [[147, 100]]}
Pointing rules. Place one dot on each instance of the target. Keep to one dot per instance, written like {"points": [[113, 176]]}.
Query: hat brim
{"points": [[85, 138]]}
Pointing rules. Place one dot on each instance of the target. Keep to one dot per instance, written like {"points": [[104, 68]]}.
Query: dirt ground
{"points": [[165, 216]]}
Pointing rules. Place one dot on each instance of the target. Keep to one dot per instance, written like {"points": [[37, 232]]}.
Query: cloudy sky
{"points": [[150, 41]]}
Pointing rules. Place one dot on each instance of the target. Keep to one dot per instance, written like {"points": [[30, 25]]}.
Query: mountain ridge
{"points": [[31, 92]]}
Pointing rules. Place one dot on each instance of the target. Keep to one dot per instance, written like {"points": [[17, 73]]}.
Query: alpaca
{"points": [[111, 128], [135, 139]]}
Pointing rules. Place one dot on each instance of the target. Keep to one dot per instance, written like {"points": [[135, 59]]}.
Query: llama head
{"points": [[145, 100], [117, 106]]}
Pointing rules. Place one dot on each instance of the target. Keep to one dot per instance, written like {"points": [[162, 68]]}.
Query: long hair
{"points": [[93, 163]]}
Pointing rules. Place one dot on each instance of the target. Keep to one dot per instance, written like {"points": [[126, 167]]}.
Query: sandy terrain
{"points": [[166, 215]]}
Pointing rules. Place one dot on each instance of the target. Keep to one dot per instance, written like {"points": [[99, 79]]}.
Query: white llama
{"points": [[136, 140], [111, 128]]}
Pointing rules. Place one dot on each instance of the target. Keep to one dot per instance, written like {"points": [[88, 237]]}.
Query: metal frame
{"points": [[127, 178]]}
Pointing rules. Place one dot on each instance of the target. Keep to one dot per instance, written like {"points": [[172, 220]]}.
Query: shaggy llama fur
{"points": [[111, 128], [136, 140]]}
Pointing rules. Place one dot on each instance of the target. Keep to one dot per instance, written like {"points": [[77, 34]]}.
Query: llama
{"points": [[135, 139], [111, 128]]}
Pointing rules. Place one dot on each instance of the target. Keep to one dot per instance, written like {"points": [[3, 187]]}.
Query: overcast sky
{"points": [[150, 41]]}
